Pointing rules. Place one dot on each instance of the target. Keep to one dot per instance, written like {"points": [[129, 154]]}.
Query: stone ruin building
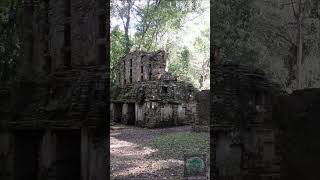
{"points": [[242, 126], [147, 95], [260, 132], [53, 119]]}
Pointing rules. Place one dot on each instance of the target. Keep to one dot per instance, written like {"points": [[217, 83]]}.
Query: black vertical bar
{"points": [[107, 8]]}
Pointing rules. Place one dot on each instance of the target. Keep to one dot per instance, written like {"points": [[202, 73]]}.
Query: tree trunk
{"points": [[201, 80], [126, 34], [126, 28]]}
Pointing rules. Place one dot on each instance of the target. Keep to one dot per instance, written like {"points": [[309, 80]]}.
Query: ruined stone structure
{"points": [[53, 119], [147, 95], [260, 132], [242, 126], [296, 118], [202, 116]]}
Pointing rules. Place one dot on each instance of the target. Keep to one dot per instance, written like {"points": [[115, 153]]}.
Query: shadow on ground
{"points": [[137, 153]]}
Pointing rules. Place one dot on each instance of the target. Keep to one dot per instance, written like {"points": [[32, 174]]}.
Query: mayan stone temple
{"points": [[53, 119], [149, 96]]}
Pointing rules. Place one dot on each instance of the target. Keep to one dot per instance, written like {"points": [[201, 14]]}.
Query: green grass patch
{"points": [[119, 126], [177, 144]]}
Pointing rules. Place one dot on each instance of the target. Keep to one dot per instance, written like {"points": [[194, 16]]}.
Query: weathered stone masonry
{"points": [[202, 115], [148, 96], [141, 66], [53, 120], [260, 132], [242, 126]]}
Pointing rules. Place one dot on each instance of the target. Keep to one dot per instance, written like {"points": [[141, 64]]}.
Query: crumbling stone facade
{"points": [[242, 126], [141, 66], [260, 132], [53, 119], [148, 96]]}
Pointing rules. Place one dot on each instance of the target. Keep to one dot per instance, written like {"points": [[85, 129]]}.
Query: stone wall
{"points": [[62, 33], [158, 98], [141, 66], [72, 100], [202, 117], [165, 102], [153, 114], [88, 22], [6, 156], [168, 91], [29, 154], [243, 133], [259, 132], [55, 126]]}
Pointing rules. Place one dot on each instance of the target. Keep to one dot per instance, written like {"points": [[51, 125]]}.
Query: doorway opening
{"points": [[27, 149], [131, 114], [68, 155], [102, 54], [118, 112]]}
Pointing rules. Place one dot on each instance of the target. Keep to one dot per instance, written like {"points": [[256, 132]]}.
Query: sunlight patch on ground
{"points": [[141, 163], [157, 165], [153, 153], [124, 148]]}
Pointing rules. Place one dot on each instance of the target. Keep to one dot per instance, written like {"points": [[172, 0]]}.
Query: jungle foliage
{"points": [[9, 42], [154, 24], [281, 37]]}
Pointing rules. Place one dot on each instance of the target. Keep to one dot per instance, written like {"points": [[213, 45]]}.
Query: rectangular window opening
{"points": [[67, 44], [164, 89], [48, 64], [102, 26], [150, 74], [102, 54], [67, 58], [47, 7], [259, 98], [67, 35], [67, 8]]}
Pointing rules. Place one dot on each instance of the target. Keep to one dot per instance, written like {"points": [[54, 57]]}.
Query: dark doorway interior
{"points": [[102, 54], [68, 155], [27, 148], [118, 112], [131, 114]]}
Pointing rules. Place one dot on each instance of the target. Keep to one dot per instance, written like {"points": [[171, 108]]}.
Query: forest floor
{"points": [[140, 153]]}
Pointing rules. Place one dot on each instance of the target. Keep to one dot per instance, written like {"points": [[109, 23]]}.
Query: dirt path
{"points": [[133, 158]]}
